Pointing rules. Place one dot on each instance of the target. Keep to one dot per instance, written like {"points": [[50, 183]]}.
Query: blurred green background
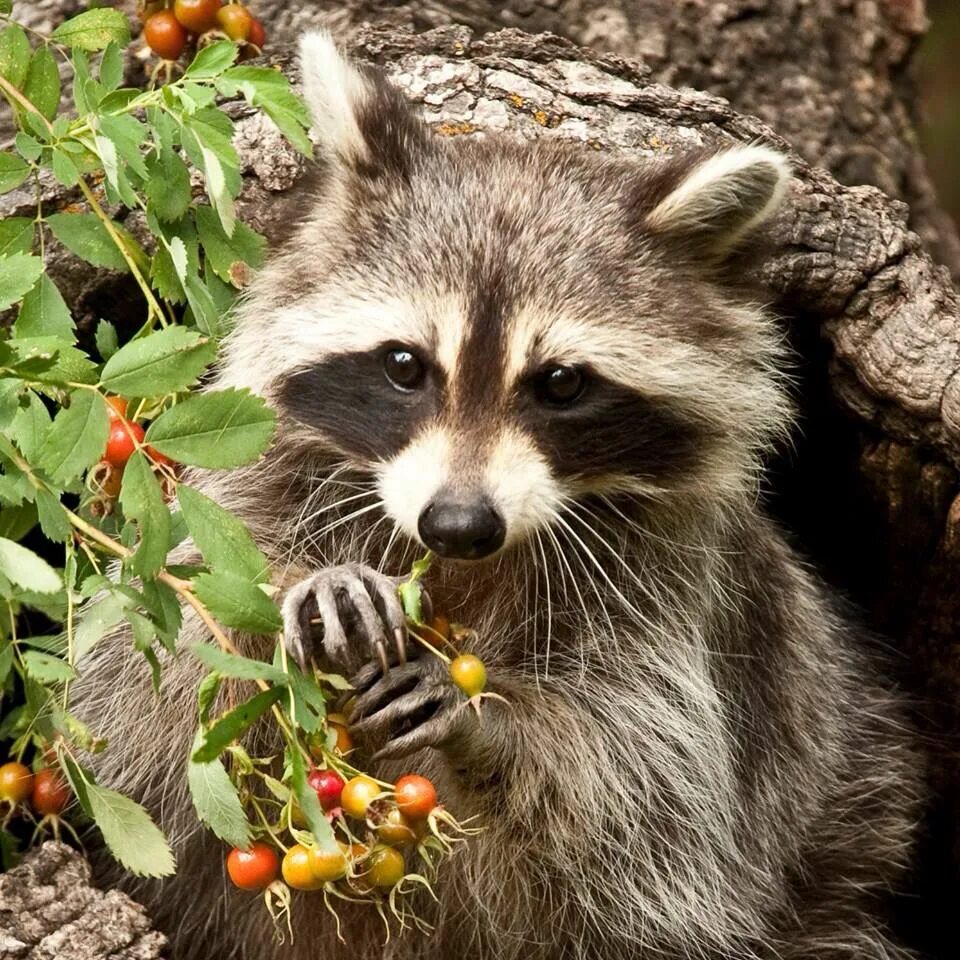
{"points": [[938, 74]]}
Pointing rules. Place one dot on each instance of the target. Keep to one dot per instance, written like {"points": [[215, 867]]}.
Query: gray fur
{"points": [[699, 757]]}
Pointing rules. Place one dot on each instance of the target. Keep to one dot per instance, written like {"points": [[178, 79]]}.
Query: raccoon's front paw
{"points": [[415, 705], [349, 612]]}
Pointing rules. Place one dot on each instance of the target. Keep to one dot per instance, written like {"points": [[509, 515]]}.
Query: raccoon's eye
{"points": [[404, 369], [560, 385]]}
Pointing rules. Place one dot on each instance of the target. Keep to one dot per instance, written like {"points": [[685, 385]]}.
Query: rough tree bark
{"points": [[873, 487], [49, 911]]}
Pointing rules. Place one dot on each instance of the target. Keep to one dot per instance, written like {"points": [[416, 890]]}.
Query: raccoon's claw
{"points": [[416, 705], [355, 607]]}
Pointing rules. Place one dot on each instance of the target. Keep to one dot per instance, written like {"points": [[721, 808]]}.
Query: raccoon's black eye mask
{"points": [[369, 403]]}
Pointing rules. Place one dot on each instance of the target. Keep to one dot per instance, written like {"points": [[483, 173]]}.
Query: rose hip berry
{"points": [[122, 441], [258, 36], [253, 869], [50, 793], [416, 796], [16, 782], [384, 867], [198, 16], [235, 21], [357, 796], [469, 674], [328, 785], [165, 35]]}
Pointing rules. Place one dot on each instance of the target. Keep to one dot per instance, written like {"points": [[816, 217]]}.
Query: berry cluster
{"points": [[45, 793], [169, 26]]}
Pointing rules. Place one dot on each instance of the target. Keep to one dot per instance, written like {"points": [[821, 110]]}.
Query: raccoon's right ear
{"points": [[717, 201], [359, 119]]}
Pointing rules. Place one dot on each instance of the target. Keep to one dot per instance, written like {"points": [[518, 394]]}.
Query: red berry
{"points": [[253, 869], [198, 16], [416, 796], [50, 792], [160, 459], [235, 21], [122, 441], [164, 35], [328, 785], [258, 36]]}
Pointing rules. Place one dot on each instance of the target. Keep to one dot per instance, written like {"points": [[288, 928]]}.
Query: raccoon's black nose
{"points": [[463, 529]]}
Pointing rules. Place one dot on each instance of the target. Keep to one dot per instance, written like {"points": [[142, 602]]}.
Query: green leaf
{"points": [[47, 360], [19, 272], [204, 307], [164, 362], [311, 704], [42, 86], [308, 802], [16, 235], [162, 604], [78, 437], [111, 67], [85, 235], [53, 517], [231, 665], [168, 185], [211, 61], [45, 668], [232, 725], [130, 835], [14, 54], [30, 426], [238, 603], [128, 135], [94, 30], [210, 148], [216, 800], [64, 169], [221, 537], [44, 313], [13, 171], [271, 92], [220, 429], [142, 501], [97, 620], [17, 522], [24, 568], [6, 6], [106, 339], [228, 255]]}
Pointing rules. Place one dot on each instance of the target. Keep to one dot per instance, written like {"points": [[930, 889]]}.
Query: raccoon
{"points": [[541, 363]]}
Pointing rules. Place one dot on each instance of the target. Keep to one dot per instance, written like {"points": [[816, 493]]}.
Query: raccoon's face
{"points": [[493, 330]]}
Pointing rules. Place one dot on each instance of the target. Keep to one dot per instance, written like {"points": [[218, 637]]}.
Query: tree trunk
{"points": [[872, 487]]}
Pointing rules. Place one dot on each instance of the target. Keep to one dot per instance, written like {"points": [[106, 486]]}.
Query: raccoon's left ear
{"points": [[359, 119], [718, 202]]}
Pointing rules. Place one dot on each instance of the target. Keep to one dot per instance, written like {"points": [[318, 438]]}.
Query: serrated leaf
{"points": [[111, 68], [224, 253], [19, 272], [216, 800], [271, 92], [45, 668], [220, 429], [44, 313], [128, 135], [97, 619], [222, 538], [106, 339], [17, 522], [52, 516], [30, 426], [129, 833], [142, 501], [165, 362], [168, 186], [64, 169], [77, 438], [42, 86], [47, 360], [164, 607], [13, 171], [205, 311], [311, 704], [237, 602], [233, 724], [16, 235], [84, 235], [93, 30], [241, 668], [24, 568], [14, 54], [212, 60]]}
